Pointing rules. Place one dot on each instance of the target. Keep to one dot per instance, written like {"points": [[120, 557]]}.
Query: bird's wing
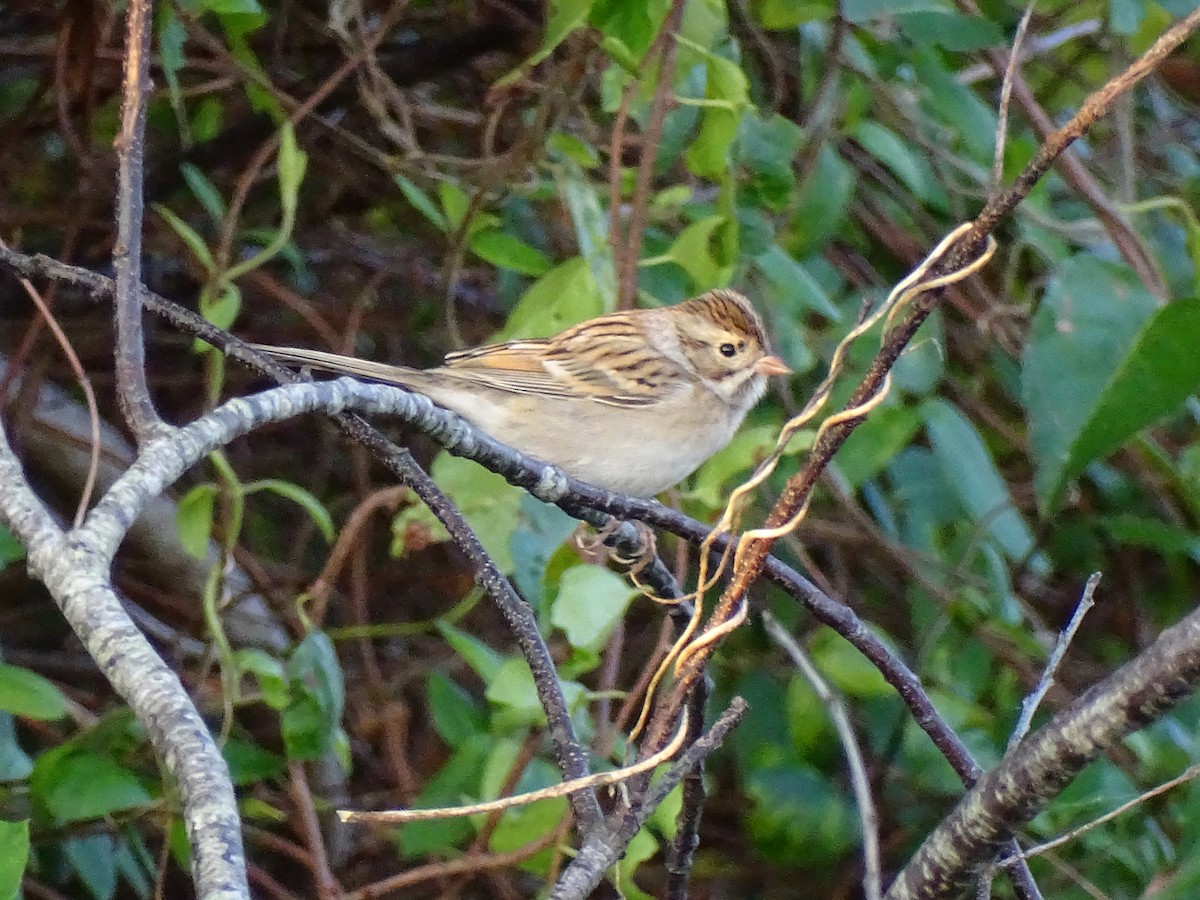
{"points": [[571, 365]]}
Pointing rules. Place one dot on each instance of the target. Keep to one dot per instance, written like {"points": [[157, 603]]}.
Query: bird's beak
{"points": [[771, 365]]}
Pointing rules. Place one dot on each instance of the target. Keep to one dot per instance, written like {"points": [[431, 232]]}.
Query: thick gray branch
{"points": [[1007, 797], [77, 577]]}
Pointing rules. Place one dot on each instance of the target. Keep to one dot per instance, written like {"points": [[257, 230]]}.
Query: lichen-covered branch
{"points": [[1017, 789], [75, 568]]}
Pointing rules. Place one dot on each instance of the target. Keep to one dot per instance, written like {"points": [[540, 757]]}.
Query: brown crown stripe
{"points": [[732, 309]]}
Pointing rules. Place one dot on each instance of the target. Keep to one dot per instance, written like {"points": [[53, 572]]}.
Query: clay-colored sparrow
{"points": [[632, 401]]}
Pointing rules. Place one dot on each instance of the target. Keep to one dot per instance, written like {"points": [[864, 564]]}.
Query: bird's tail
{"points": [[334, 362]]}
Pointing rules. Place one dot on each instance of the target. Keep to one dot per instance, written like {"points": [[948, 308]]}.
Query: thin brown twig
{"points": [[387, 499], [308, 825], [290, 299], [470, 864], [85, 384], [626, 247], [1055, 141]]}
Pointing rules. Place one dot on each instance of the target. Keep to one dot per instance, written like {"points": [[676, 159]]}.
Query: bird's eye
{"points": [[728, 349]]}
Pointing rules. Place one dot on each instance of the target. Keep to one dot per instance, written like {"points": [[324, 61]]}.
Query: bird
{"points": [[632, 402]]}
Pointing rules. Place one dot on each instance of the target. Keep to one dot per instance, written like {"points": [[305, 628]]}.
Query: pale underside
{"points": [[630, 449]]}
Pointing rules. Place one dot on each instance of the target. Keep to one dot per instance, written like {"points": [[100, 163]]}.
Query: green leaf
{"points": [[796, 811], [483, 660], [455, 203], [507, 252], [513, 691], [76, 786], [94, 861], [422, 203], [223, 309], [1086, 358], [565, 16], [785, 15], [726, 94], [696, 253], [249, 762], [766, 149], [564, 296], [1125, 16], [875, 442], [793, 285], [749, 447], [455, 714], [642, 848], [591, 601], [1156, 534], [25, 693], [920, 368], [488, 503], [207, 119], [822, 204], [312, 722], [189, 236], [269, 672], [955, 105], [302, 498], [14, 854], [231, 7], [846, 668], [969, 469], [859, 12], [204, 191], [955, 31], [905, 163], [524, 824], [627, 27], [292, 163], [15, 764], [591, 221], [11, 549], [1154, 379], [172, 35], [705, 25], [194, 518], [455, 782], [542, 531], [568, 146]]}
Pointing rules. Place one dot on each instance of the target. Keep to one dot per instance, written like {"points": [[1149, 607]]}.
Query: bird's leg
{"points": [[635, 555]]}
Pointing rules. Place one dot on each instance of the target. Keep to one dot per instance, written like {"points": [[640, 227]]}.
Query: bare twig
{"points": [[1188, 774], [132, 389], [1030, 705], [872, 880], [1010, 72], [606, 845], [327, 887], [682, 850], [85, 384], [1007, 797], [627, 244]]}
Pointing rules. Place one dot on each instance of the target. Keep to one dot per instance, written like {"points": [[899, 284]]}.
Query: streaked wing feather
{"points": [[565, 366]]}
